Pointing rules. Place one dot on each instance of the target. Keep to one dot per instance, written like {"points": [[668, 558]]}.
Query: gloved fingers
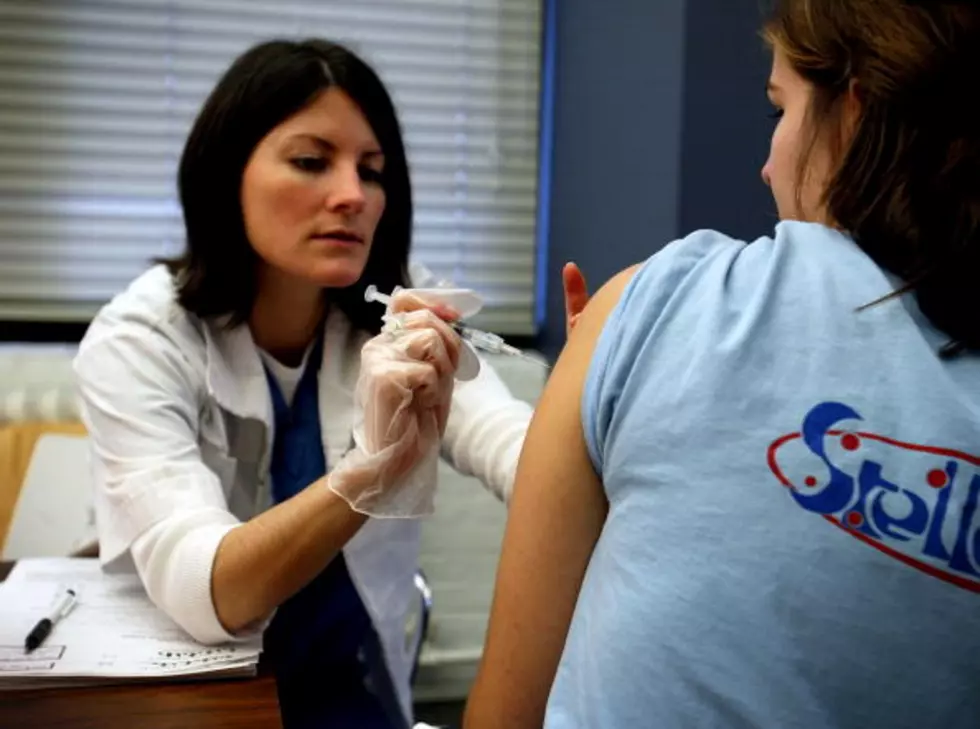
{"points": [[395, 405], [463, 302], [425, 383], [420, 335], [390, 383], [406, 300], [424, 319], [382, 357]]}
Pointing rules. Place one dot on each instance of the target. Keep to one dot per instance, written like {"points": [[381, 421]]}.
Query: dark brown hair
{"points": [[907, 183], [217, 273]]}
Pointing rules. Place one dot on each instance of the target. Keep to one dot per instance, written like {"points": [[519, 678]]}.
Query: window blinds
{"points": [[97, 96]]}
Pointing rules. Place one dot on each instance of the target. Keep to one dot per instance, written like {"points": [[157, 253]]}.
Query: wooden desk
{"points": [[231, 704]]}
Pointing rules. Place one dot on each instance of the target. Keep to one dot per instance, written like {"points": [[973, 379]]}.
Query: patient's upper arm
{"points": [[556, 515]]}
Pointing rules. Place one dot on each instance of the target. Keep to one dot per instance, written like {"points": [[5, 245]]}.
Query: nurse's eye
{"points": [[309, 164], [369, 174]]}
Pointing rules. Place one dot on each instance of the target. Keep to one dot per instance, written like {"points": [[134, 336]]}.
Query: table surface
{"points": [[226, 704]]}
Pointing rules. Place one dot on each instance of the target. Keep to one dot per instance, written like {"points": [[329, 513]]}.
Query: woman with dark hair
{"points": [[763, 512], [219, 389]]}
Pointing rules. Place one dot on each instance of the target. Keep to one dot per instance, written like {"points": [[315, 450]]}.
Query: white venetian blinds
{"points": [[97, 96]]}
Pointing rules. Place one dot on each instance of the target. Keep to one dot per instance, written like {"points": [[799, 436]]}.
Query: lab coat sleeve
{"points": [[154, 496], [174, 560], [485, 431]]}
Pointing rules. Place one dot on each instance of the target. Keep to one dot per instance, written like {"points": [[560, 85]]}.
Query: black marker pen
{"points": [[44, 626]]}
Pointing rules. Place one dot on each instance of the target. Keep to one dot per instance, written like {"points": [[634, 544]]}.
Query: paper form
{"points": [[113, 631]]}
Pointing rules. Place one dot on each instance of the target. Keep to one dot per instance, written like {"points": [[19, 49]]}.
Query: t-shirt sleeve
{"points": [[661, 284]]}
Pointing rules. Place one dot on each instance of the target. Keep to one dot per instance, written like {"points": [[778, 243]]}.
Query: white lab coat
{"points": [[180, 417]]}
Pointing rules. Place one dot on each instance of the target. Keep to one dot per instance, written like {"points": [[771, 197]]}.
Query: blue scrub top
{"points": [[322, 644]]}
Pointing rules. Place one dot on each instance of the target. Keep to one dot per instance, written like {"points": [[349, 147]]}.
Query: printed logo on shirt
{"points": [[915, 503]]}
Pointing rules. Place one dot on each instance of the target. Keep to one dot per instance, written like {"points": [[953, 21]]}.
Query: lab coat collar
{"points": [[338, 378], [236, 378]]}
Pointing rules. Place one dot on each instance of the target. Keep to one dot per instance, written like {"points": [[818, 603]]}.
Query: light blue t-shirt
{"points": [[792, 539]]}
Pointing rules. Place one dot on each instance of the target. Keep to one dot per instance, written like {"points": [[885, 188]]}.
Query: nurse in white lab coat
{"points": [[295, 194]]}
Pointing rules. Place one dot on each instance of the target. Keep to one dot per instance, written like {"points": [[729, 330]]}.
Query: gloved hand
{"points": [[403, 394], [448, 304]]}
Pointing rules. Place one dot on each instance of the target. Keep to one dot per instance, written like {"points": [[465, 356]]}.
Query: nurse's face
{"points": [[312, 194]]}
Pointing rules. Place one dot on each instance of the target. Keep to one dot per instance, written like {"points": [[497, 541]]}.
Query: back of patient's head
{"points": [[906, 180], [270, 82]]}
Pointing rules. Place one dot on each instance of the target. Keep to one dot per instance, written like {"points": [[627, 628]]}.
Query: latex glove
{"points": [[449, 305], [402, 398]]}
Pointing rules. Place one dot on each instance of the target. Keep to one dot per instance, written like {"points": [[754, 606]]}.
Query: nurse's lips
{"points": [[340, 235]]}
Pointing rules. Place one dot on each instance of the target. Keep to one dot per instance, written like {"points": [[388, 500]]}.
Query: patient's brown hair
{"points": [[907, 183]]}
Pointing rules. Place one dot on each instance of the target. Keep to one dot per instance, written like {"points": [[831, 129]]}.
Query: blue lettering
{"points": [[934, 546], [869, 479], [976, 545], [913, 524], [960, 561], [840, 490]]}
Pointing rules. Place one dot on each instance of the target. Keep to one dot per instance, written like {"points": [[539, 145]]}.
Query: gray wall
{"points": [[726, 133], [659, 128], [615, 183]]}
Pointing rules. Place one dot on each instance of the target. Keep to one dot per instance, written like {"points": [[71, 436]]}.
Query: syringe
{"points": [[479, 339]]}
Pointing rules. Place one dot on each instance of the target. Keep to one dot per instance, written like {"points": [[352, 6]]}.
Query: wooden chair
{"points": [[17, 441]]}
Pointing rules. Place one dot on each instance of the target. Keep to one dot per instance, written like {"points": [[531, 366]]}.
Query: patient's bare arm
{"points": [[555, 518]]}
